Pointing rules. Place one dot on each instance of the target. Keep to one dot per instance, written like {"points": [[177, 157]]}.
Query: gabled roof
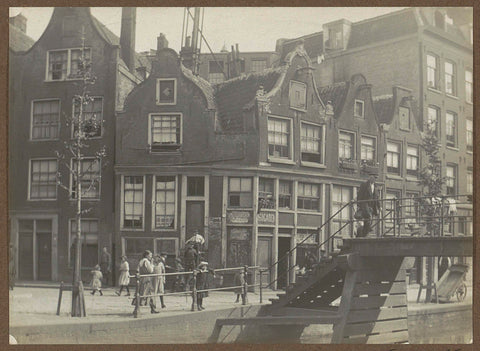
{"points": [[233, 95], [383, 106], [336, 94], [203, 85], [18, 40]]}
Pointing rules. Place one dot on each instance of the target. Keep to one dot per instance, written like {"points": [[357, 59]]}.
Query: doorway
{"points": [[35, 249], [264, 258], [283, 248], [195, 217]]}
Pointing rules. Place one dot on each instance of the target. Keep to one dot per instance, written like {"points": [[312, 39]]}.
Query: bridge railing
{"points": [[447, 215]]}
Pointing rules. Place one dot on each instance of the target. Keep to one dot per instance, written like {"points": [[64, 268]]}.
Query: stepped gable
{"points": [[336, 94], [383, 106], [233, 96], [382, 28], [203, 85]]}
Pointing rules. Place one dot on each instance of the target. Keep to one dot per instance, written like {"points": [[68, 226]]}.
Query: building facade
{"points": [[44, 81]]}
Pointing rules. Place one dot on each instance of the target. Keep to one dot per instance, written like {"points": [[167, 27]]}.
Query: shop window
{"points": [[133, 202], [88, 240], [266, 195], [285, 194], [308, 196], [240, 192], [45, 119]]}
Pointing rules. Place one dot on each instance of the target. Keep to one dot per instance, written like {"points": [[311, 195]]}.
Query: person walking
{"points": [[368, 204], [124, 278], [96, 280], [106, 265], [146, 288], [202, 283], [159, 281]]}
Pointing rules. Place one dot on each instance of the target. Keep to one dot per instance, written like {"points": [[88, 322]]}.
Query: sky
{"points": [[253, 28]]}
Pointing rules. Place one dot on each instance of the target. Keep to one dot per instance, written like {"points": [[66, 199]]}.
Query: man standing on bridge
{"points": [[368, 204]]}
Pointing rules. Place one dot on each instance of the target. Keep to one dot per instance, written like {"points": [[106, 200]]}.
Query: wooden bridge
{"points": [[368, 274]]}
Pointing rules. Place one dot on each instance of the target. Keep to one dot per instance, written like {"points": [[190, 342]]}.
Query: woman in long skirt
{"points": [[124, 278]]}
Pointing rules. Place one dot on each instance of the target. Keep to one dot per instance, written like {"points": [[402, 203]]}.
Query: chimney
{"points": [[19, 21], [127, 36], [162, 42]]}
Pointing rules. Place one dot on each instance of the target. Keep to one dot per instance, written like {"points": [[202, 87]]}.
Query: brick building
{"points": [[42, 85]]}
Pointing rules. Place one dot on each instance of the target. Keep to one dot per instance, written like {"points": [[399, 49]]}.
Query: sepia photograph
{"points": [[240, 175]]}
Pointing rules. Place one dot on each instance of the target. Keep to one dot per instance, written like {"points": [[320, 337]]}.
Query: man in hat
{"points": [[368, 204]]}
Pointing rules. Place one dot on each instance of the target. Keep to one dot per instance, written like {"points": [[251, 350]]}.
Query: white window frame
{"points": [[374, 147], [229, 192], [469, 182], [354, 144], [149, 136], [453, 76], [122, 202], [436, 73], [361, 102], [288, 159], [469, 86], [448, 178], [101, 121], [88, 158], [157, 91], [295, 86], [455, 129], [69, 63], [399, 144], [320, 196], [30, 180], [409, 120], [59, 118], [321, 147], [417, 156], [154, 189], [70, 221], [438, 116], [469, 135]]}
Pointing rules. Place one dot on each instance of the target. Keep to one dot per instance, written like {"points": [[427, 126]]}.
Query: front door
{"points": [[25, 249], [264, 258], [282, 268], [195, 217], [44, 256]]}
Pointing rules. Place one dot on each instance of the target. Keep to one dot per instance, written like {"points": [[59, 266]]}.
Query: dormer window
{"points": [[298, 95], [166, 91], [359, 109]]}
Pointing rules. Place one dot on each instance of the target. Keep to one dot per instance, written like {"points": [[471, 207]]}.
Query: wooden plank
{"points": [[377, 314], [375, 327], [380, 288], [282, 320], [380, 275], [387, 338], [344, 308], [297, 311], [378, 301]]}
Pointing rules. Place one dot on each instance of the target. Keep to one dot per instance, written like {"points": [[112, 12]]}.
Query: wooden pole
{"points": [[245, 285], [194, 290], [136, 311]]}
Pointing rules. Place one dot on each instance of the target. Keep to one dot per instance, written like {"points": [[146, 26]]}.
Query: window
{"points": [[298, 95], [88, 240], [195, 186], [45, 119], [346, 144], [391, 204], [469, 136], [469, 86], [259, 65], [166, 91], [368, 149], [432, 71], [215, 72], [470, 181], [164, 202], [64, 64], [240, 192], [285, 194], [92, 117], [341, 196], [404, 117], [43, 179], [135, 247], [89, 178], [450, 78], [359, 109], [266, 195], [279, 137], [308, 196], [165, 132], [412, 160], [393, 157], [451, 129], [133, 202], [433, 118], [451, 179], [312, 143]]}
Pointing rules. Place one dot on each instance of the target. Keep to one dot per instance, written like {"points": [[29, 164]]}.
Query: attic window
{"points": [[166, 91], [298, 95], [404, 118], [359, 109]]}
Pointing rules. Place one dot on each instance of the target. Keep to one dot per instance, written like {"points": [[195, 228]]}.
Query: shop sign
{"points": [[239, 217], [266, 218], [310, 241], [241, 234]]}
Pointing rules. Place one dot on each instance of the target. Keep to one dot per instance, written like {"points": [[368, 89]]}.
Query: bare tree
{"points": [[83, 164]]}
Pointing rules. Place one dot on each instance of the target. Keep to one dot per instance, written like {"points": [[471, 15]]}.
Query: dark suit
{"points": [[368, 208]]}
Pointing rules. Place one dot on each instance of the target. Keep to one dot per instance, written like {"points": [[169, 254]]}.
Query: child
{"points": [[124, 278], [239, 280], [96, 280]]}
